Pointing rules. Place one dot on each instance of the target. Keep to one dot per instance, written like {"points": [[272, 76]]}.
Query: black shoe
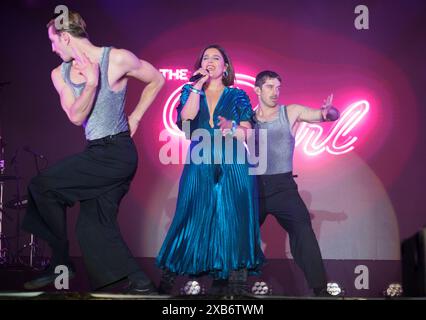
{"points": [[238, 290], [238, 283], [47, 277], [219, 287], [167, 282], [142, 288], [322, 292]]}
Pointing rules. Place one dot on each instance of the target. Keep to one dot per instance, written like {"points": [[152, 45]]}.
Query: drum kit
{"points": [[30, 254]]}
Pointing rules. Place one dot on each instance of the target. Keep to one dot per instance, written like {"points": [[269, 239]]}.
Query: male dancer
{"points": [[91, 83], [278, 193]]}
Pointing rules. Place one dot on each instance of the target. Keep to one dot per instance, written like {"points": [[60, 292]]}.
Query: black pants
{"points": [[98, 177], [278, 196]]}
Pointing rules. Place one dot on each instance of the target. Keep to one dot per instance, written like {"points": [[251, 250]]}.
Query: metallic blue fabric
{"points": [[215, 228]]}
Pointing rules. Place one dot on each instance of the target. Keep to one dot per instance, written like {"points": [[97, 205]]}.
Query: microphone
{"points": [[196, 77], [35, 154]]}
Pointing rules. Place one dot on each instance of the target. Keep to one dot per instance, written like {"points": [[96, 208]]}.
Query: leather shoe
{"points": [[322, 292], [167, 282], [138, 287], [218, 287]]}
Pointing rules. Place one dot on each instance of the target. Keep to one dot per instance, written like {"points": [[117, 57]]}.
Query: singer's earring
{"points": [[225, 73]]}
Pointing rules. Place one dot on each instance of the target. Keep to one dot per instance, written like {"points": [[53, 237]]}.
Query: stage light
{"points": [[192, 287], [393, 290], [334, 289], [261, 288]]}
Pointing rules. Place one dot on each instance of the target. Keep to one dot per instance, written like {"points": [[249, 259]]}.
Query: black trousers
{"points": [[278, 195], [98, 178]]}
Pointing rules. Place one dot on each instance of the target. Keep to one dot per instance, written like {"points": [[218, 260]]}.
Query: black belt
{"points": [[110, 137], [278, 175], [272, 179]]}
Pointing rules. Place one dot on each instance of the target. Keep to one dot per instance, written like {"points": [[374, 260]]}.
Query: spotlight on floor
{"points": [[393, 290], [192, 287], [261, 288], [334, 289]]}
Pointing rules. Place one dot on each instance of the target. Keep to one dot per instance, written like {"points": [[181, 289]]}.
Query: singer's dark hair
{"points": [[230, 78], [265, 75]]}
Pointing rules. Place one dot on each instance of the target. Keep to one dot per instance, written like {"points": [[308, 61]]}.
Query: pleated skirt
{"points": [[216, 225]]}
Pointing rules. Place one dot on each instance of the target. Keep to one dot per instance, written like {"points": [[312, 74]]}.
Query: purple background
{"points": [[313, 44]]}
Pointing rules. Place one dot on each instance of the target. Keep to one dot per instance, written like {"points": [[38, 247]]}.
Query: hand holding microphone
{"points": [[199, 77], [195, 77]]}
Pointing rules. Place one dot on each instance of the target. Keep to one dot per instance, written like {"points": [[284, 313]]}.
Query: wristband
{"points": [[201, 93]]}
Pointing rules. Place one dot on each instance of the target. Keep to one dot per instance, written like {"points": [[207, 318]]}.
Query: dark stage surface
{"points": [[282, 277]]}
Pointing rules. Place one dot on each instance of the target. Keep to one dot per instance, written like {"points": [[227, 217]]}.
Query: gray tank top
{"points": [[280, 143], [107, 115]]}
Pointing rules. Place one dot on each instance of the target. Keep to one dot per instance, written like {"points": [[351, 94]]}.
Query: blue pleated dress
{"points": [[215, 228]]}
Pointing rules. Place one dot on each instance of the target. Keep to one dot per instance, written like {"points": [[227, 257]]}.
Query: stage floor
{"points": [[12, 279]]}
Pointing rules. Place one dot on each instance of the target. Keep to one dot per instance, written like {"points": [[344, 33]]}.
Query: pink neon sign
{"points": [[337, 141]]}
